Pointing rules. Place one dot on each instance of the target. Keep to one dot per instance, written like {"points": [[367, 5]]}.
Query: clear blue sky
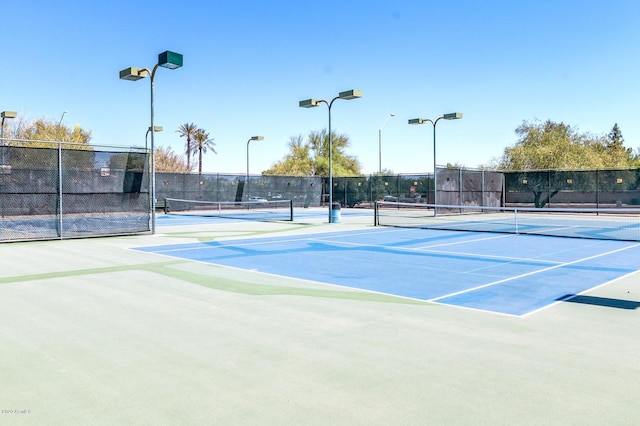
{"points": [[247, 63]]}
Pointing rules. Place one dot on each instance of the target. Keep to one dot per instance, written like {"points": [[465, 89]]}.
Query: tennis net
{"points": [[260, 210], [604, 223]]}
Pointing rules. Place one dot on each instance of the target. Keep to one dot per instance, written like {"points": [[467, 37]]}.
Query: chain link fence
{"points": [[51, 190], [573, 188], [54, 190], [303, 191], [454, 187], [459, 187]]}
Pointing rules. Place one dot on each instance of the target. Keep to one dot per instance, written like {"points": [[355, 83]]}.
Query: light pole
{"points": [[155, 129], [380, 142], [311, 103], [449, 116], [169, 60], [252, 138], [60, 134], [61, 117], [6, 114]]}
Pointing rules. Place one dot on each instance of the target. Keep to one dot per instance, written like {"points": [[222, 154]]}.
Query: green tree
{"points": [[40, 136], [297, 163], [188, 130], [42, 130], [542, 146], [615, 149], [168, 161], [202, 143], [615, 137], [551, 145], [312, 158]]}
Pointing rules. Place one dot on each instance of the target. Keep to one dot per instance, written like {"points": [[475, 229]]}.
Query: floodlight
{"points": [[452, 116], [133, 74], [171, 60], [309, 103], [350, 94]]}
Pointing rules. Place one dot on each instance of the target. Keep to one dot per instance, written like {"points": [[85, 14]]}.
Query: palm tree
{"points": [[202, 143], [188, 130]]}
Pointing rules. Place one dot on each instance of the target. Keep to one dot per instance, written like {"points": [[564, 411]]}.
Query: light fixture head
{"points": [[8, 114], [452, 116], [171, 60], [309, 103], [350, 94], [417, 121], [257, 138], [133, 74]]}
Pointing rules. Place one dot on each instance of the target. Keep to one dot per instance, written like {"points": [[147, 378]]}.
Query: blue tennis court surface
{"points": [[508, 274]]}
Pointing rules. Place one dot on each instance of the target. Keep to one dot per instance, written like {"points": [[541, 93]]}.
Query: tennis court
{"points": [[223, 321], [509, 274]]}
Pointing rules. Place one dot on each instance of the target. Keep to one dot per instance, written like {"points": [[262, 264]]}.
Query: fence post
{"points": [[460, 192], [597, 188], [549, 188], [60, 190]]}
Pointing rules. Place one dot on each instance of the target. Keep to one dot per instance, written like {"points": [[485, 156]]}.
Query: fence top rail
{"points": [[24, 143], [616, 169]]}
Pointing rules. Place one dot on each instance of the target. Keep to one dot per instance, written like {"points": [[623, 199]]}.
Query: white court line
{"points": [[515, 259], [508, 259], [470, 241], [532, 273], [332, 239], [200, 246], [268, 240]]}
